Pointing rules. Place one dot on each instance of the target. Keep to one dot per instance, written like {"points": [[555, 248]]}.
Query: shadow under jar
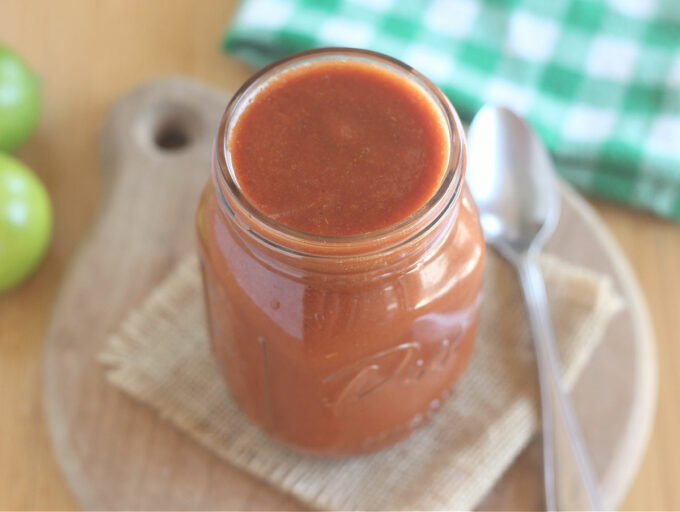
{"points": [[337, 334]]}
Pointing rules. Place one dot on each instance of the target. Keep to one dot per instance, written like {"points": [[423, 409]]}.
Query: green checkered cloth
{"points": [[600, 81]]}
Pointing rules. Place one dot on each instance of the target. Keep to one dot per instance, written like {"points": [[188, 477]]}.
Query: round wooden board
{"points": [[118, 454]]}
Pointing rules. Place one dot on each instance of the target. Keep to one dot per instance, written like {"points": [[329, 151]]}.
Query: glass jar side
{"points": [[341, 366]]}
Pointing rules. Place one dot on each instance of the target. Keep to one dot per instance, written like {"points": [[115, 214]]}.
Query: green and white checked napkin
{"points": [[599, 80]]}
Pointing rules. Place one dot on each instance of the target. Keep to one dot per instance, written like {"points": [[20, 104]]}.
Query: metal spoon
{"points": [[512, 180]]}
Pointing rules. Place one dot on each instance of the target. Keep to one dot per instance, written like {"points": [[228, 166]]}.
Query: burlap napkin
{"points": [[161, 356]]}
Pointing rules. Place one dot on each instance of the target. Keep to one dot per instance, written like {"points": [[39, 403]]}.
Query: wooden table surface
{"points": [[87, 54]]}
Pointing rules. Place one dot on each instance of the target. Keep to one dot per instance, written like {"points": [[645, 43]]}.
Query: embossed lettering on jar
{"points": [[342, 328]]}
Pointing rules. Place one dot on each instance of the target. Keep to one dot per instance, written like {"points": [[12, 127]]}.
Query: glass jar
{"points": [[341, 345]]}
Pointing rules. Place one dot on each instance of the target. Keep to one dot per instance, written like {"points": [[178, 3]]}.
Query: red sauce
{"points": [[339, 148], [349, 352]]}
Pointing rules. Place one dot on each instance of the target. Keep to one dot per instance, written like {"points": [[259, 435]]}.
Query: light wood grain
{"points": [[87, 54]]}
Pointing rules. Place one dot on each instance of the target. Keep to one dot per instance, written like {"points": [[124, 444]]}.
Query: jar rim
{"points": [[288, 239]]}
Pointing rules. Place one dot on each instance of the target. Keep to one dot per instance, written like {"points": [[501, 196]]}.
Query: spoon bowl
{"points": [[512, 182]]}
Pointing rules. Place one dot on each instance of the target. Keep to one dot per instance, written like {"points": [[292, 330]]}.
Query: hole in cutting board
{"points": [[168, 127], [171, 136]]}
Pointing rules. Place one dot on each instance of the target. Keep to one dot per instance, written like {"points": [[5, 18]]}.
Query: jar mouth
{"points": [[288, 239]]}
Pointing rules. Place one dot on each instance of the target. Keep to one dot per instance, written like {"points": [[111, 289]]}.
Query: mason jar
{"points": [[340, 345]]}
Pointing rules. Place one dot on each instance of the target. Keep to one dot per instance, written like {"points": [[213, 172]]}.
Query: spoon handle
{"points": [[555, 403]]}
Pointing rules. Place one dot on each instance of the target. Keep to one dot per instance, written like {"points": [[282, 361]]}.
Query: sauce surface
{"points": [[339, 148]]}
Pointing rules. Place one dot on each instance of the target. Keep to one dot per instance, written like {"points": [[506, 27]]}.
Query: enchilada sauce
{"points": [[339, 148], [344, 355]]}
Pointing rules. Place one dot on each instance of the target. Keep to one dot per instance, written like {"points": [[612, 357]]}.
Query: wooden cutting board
{"points": [[118, 454]]}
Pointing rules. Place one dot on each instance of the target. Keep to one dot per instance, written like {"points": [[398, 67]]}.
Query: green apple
{"points": [[25, 221], [19, 95]]}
